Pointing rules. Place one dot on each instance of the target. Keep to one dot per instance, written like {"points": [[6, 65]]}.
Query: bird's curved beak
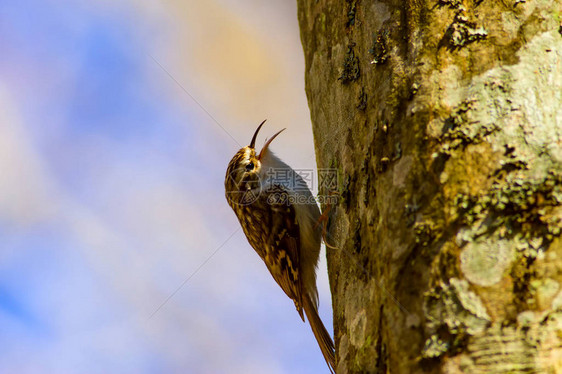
{"points": [[253, 142], [264, 149]]}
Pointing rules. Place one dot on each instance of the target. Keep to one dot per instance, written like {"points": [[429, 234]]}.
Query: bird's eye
{"points": [[250, 166]]}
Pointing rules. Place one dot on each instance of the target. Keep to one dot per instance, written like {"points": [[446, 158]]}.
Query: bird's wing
{"points": [[283, 245]]}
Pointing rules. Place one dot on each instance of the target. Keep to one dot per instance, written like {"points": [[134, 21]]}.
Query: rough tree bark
{"points": [[444, 121]]}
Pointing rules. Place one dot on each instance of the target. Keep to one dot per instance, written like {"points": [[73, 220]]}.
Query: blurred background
{"points": [[118, 251]]}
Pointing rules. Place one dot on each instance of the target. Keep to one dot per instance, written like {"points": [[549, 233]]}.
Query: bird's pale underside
{"points": [[280, 219]]}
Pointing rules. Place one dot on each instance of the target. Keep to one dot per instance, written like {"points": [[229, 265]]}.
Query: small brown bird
{"points": [[280, 217]]}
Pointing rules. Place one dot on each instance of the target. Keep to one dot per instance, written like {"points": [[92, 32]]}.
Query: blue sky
{"points": [[112, 186]]}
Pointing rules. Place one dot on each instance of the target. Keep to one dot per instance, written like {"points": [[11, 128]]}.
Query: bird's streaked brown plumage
{"points": [[283, 233]]}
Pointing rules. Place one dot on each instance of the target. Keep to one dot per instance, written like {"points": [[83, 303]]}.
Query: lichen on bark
{"points": [[444, 121]]}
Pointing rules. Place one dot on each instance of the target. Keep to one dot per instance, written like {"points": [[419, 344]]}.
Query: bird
{"points": [[279, 217]]}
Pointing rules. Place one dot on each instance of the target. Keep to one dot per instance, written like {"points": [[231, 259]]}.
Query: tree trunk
{"points": [[444, 122]]}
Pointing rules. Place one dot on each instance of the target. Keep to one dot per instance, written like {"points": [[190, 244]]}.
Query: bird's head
{"points": [[244, 170]]}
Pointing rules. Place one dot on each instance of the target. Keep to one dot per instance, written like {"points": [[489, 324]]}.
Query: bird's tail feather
{"points": [[320, 333]]}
